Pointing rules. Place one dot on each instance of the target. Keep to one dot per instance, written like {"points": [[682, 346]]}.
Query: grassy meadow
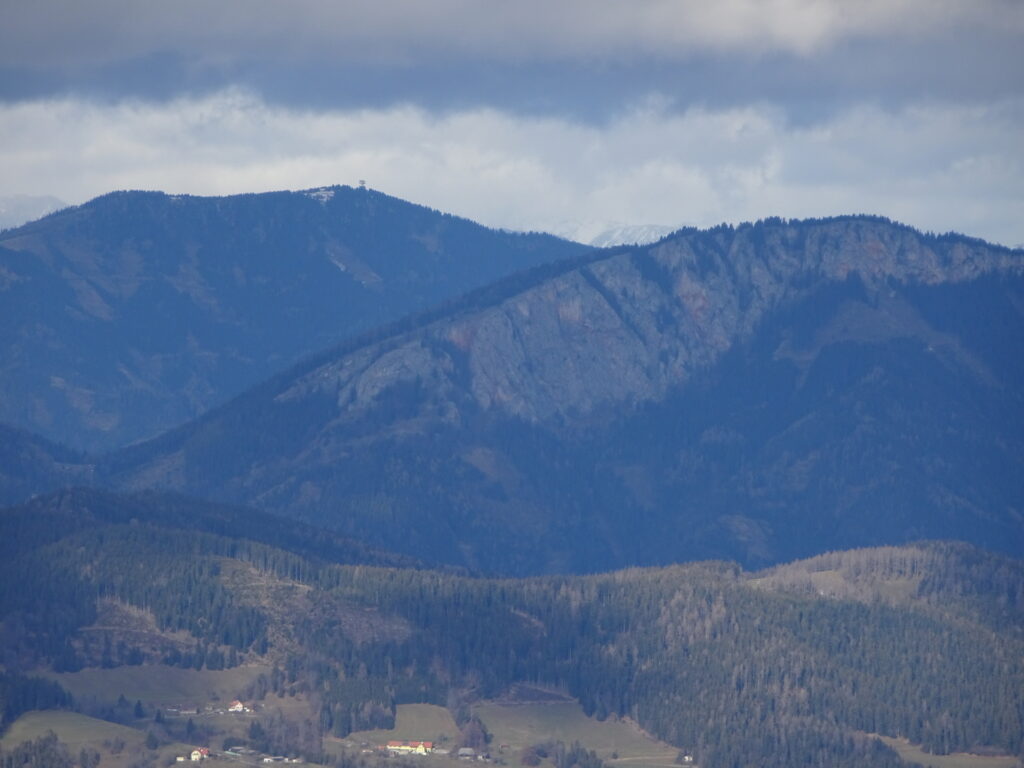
{"points": [[119, 746], [522, 725], [159, 685], [914, 755]]}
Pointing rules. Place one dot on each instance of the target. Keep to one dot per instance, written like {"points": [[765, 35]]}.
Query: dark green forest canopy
{"points": [[924, 641]]}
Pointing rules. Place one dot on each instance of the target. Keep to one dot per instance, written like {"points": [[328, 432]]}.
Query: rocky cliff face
{"points": [[720, 393], [629, 327], [138, 311]]}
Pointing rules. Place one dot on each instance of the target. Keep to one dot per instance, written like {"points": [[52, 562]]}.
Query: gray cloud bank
{"points": [[400, 30], [938, 167], [564, 115], [578, 57]]}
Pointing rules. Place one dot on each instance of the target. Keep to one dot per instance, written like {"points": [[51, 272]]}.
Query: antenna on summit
{"points": [[362, 183]]}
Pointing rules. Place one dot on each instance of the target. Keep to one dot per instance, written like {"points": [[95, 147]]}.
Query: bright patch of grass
{"points": [[75, 730], [911, 753], [160, 685], [522, 725], [414, 722]]}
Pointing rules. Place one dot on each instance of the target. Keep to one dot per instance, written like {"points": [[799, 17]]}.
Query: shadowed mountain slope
{"points": [[50, 517], [29, 464], [757, 393], [137, 311]]}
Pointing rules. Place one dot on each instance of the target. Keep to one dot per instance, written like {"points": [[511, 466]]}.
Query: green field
{"points": [[913, 754], [160, 685], [522, 725], [77, 731], [73, 729], [414, 722]]}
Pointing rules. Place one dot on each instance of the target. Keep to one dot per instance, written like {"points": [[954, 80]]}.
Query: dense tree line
{"points": [[43, 752], [728, 666], [158, 571], [696, 654], [21, 693]]}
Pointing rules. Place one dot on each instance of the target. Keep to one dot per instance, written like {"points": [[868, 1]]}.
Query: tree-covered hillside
{"points": [[137, 311], [756, 393], [797, 663], [30, 464]]}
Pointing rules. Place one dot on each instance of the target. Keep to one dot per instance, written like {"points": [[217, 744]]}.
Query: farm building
{"points": [[410, 747]]}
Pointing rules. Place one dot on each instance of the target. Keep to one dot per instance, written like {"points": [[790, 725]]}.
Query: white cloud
{"points": [[935, 166]]}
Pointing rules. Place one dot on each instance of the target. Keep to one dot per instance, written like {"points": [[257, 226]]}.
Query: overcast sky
{"points": [[559, 115]]}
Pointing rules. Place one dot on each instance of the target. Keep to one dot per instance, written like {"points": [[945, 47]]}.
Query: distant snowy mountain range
{"points": [[631, 234], [606, 234]]}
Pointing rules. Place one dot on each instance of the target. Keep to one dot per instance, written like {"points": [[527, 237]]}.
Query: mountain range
{"points": [[757, 490], [757, 393], [137, 311]]}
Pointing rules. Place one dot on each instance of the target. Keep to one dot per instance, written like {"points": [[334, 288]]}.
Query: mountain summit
{"points": [[760, 393], [137, 311]]}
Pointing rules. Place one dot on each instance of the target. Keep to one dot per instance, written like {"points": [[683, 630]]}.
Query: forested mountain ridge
{"points": [[757, 393], [137, 311], [52, 516], [727, 665], [30, 464]]}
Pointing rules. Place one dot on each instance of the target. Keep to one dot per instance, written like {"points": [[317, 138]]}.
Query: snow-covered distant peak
{"points": [[321, 194], [604, 233], [638, 234]]}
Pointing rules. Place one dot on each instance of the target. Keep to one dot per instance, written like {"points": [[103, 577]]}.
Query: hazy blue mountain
{"points": [[53, 516], [138, 310], [29, 464], [758, 393]]}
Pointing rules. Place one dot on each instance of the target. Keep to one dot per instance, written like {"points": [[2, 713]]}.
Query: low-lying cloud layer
{"points": [[936, 166], [566, 115]]}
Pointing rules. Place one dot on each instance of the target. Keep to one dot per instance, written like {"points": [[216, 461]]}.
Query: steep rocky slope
{"points": [[758, 393], [137, 311]]}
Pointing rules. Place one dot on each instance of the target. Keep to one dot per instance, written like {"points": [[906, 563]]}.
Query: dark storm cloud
{"points": [[564, 115], [579, 58]]}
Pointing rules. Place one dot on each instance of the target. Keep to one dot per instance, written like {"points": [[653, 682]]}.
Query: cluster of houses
{"points": [[202, 753], [235, 707], [199, 753], [409, 747], [424, 748]]}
